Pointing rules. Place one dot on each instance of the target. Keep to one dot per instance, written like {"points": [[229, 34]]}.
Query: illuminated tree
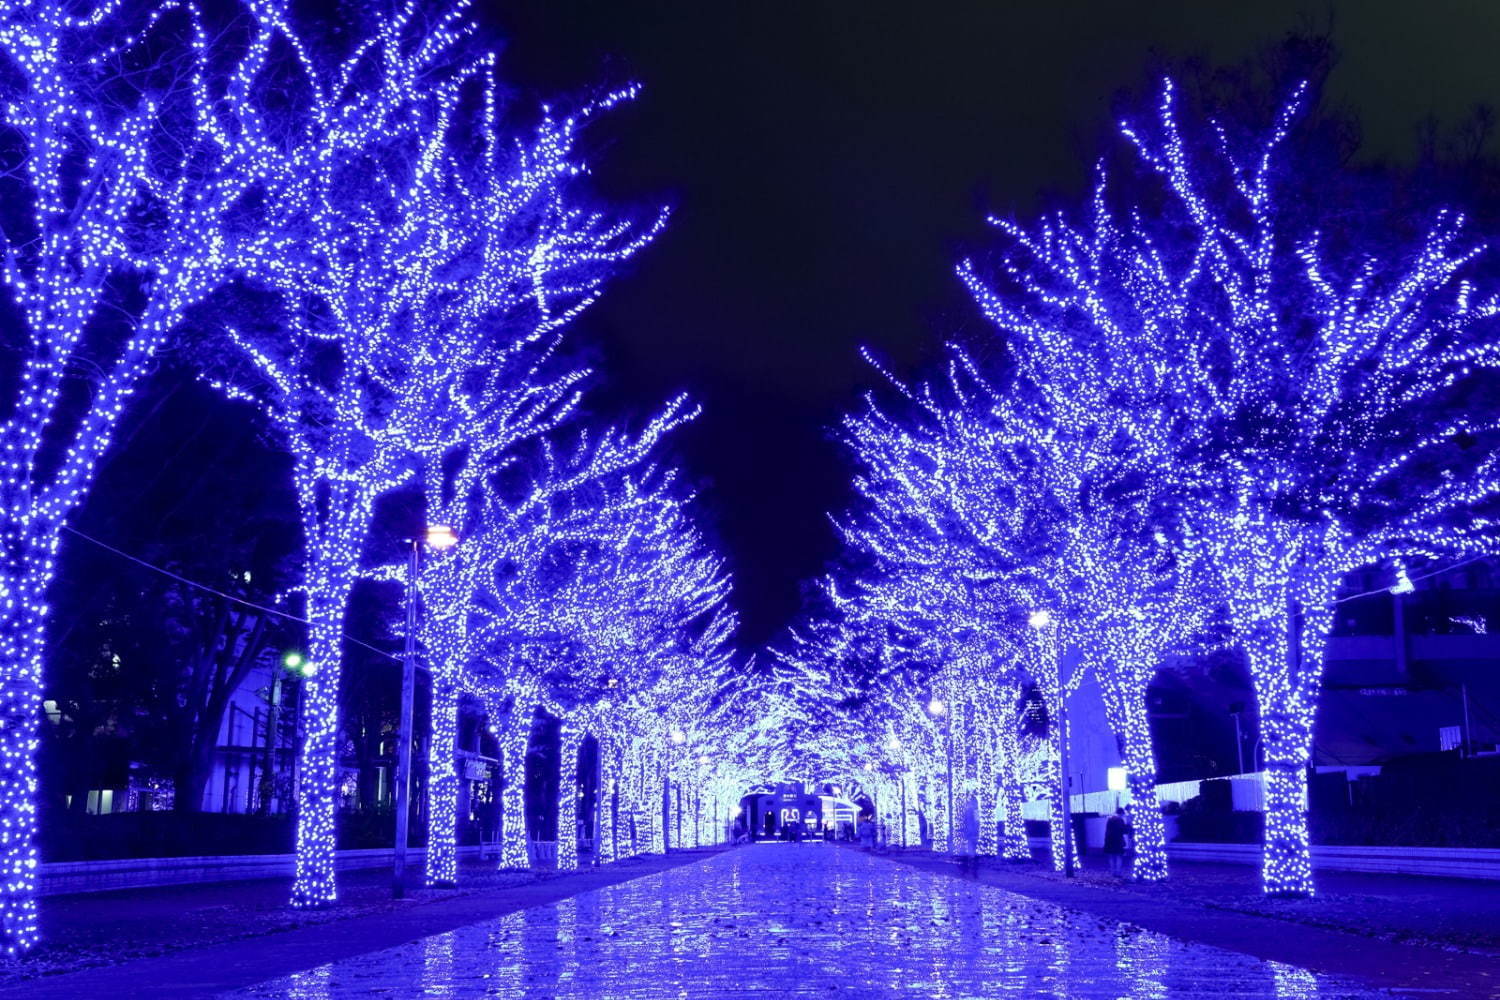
{"points": [[125, 197], [424, 259], [581, 590], [1309, 394], [1091, 460], [483, 629], [955, 504], [658, 633], [944, 683]]}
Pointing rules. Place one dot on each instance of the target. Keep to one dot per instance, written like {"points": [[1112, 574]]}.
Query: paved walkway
{"points": [[1181, 909], [790, 920], [179, 942]]}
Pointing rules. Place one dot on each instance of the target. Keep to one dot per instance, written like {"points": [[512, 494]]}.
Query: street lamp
{"points": [[939, 710], [1041, 620], [893, 746], [1236, 709], [438, 537], [292, 662], [672, 817]]}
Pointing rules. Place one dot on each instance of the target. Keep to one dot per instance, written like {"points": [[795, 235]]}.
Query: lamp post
{"points": [[938, 710], [673, 818], [439, 537], [704, 761], [595, 861], [1236, 709], [292, 662], [893, 746], [1041, 620], [905, 835]]}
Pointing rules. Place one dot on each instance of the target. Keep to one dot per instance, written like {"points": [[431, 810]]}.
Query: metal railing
{"points": [[60, 877], [1441, 862]]}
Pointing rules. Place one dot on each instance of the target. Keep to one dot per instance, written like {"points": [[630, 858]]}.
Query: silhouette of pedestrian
{"points": [[1115, 831], [968, 836]]}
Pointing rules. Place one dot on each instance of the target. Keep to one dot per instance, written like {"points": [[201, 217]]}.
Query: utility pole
{"points": [[1398, 607], [403, 735], [439, 537], [1064, 667], [1467, 743], [598, 799], [1067, 799], [902, 778], [952, 819], [1239, 739], [268, 774]]}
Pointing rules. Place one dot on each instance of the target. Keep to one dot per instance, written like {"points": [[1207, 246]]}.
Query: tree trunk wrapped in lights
{"points": [[514, 738], [1132, 637], [378, 360], [1056, 681], [605, 836], [569, 792], [988, 789], [1315, 416], [1014, 844], [443, 782], [126, 206], [491, 602]]}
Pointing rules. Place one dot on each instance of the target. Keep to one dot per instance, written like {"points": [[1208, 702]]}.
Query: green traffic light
{"points": [[293, 661]]}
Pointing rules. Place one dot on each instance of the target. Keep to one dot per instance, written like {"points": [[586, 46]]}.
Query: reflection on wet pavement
{"points": [[780, 920]]}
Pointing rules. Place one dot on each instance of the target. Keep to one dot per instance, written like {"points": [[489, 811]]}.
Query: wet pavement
{"points": [[784, 920]]}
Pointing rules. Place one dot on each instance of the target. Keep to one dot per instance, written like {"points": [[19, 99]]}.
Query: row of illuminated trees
{"points": [[362, 245], [1206, 401]]}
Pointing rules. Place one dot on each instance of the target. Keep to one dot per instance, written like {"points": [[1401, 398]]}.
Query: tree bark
{"points": [[317, 809], [1286, 865], [514, 740], [1015, 845], [1150, 863], [571, 739], [1057, 781], [29, 571], [443, 786]]}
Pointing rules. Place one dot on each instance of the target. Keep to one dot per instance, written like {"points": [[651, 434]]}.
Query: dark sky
{"points": [[828, 162]]}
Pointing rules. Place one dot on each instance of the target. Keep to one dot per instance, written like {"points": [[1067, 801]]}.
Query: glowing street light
{"points": [[938, 709], [296, 663], [439, 537], [1041, 619]]}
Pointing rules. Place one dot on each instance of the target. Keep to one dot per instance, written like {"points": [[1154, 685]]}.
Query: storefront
{"points": [[790, 812]]}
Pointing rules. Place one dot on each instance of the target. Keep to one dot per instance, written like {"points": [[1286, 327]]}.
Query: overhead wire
{"points": [[219, 593]]}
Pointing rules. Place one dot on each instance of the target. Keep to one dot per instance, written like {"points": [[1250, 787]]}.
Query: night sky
{"points": [[827, 164]]}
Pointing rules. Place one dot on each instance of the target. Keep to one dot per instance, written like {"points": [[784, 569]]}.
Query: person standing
{"points": [[968, 836], [1115, 830]]}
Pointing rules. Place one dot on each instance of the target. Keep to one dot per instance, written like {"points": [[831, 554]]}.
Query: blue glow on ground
{"points": [[802, 920]]}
